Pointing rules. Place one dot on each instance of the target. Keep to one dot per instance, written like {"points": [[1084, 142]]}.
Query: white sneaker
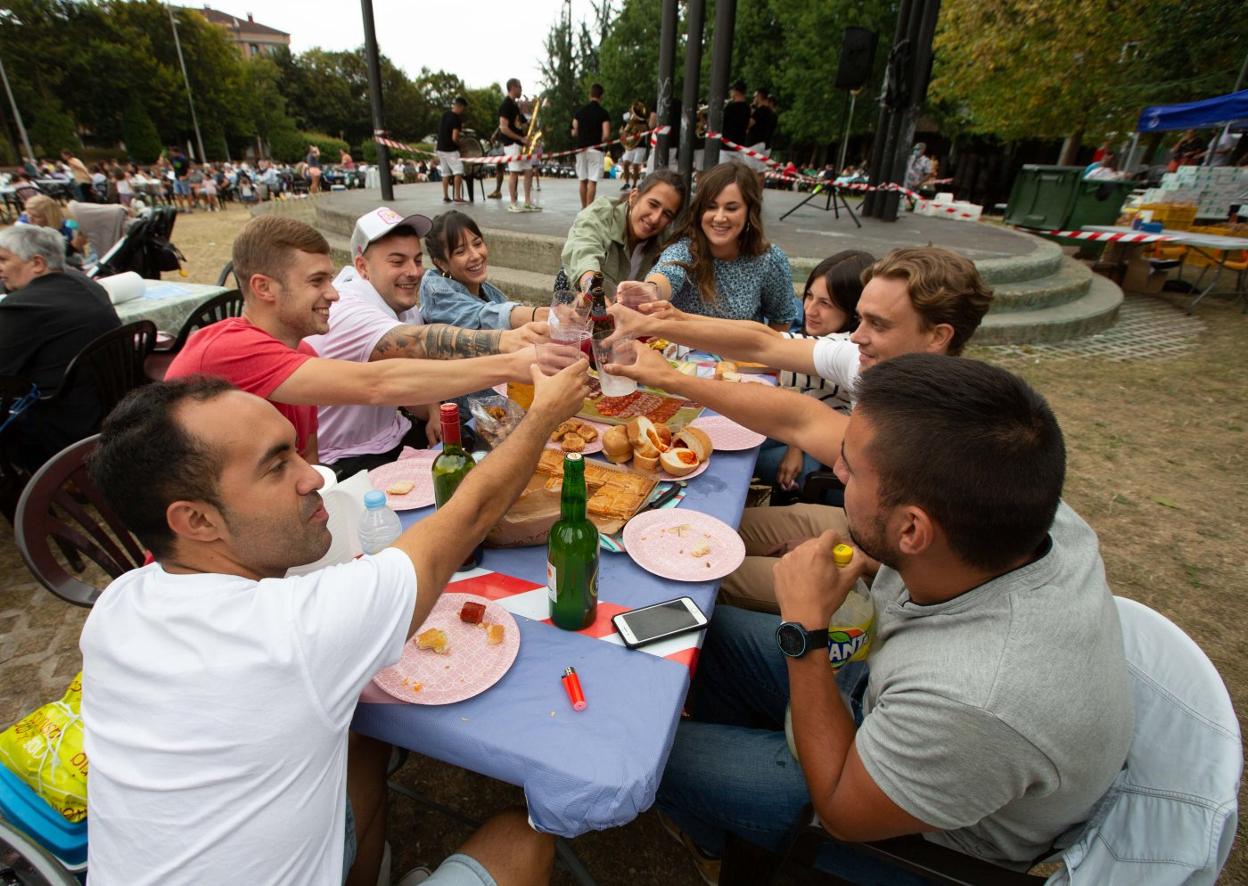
{"points": [[516, 207], [532, 207]]}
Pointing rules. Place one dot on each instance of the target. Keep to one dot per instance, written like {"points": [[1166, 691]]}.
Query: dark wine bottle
{"points": [[451, 467], [602, 324]]}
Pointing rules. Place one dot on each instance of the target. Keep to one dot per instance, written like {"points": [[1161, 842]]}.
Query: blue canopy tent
{"points": [[1232, 108]]}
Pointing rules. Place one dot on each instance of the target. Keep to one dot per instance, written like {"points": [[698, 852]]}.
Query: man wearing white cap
{"points": [[287, 276]]}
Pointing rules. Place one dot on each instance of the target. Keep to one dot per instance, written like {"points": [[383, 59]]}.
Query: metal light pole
{"points": [[17, 115], [374, 94], [696, 19], [849, 118], [667, 68], [721, 62], [177, 44]]}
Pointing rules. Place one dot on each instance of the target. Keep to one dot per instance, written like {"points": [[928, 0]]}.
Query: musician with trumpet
{"points": [[517, 131], [634, 158]]}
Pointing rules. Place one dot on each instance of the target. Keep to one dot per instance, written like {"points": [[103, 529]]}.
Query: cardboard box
{"points": [[1140, 277]]}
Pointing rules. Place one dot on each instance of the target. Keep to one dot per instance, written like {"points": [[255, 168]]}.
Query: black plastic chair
{"points": [[214, 310], [60, 504], [112, 364], [227, 274], [823, 488], [12, 477]]}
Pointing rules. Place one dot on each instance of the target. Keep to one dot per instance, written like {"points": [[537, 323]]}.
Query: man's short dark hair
{"points": [[461, 101], [146, 460], [595, 91], [512, 84], [972, 445], [739, 86]]}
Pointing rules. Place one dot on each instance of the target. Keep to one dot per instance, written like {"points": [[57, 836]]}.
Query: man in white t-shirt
{"points": [[218, 694], [922, 299], [376, 317]]}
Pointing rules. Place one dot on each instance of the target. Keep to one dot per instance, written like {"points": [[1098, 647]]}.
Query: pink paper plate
{"points": [[670, 543], [689, 476], [471, 665], [418, 469], [591, 447], [726, 434]]}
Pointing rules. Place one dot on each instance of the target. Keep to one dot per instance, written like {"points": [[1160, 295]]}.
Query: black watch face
{"points": [[792, 639]]}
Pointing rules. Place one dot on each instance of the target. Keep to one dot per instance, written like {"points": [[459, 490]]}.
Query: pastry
{"points": [[494, 634], [644, 462], [679, 462], [400, 487], [697, 440], [572, 443], [615, 445], [434, 639], [587, 431]]}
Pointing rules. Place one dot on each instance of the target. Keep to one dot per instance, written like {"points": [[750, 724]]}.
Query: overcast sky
{"points": [[487, 41]]}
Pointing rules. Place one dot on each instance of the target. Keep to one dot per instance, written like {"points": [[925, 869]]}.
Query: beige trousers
{"points": [[763, 529]]}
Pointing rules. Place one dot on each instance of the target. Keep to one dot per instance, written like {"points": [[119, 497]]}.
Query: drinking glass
{"points": [[620, 352]]}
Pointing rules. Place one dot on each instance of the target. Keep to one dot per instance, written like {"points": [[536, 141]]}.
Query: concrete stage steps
{"points": [[1041, 295]]}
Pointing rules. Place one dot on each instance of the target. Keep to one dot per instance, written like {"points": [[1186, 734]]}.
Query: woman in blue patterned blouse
{"points": [[719, 263]]}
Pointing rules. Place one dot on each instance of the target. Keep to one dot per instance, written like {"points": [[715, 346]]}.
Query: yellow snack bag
{"points": [[44, 749]]}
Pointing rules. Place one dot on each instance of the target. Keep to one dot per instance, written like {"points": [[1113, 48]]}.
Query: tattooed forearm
{"points": [[437, 341]]}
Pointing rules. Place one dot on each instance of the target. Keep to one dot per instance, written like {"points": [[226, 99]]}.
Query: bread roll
{"points": [[697, 440], [615, 445], [679, 462], [645, 462], [639, 430]]}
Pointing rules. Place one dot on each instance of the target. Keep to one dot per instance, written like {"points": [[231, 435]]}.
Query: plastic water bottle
{"points": [[380, 526]]}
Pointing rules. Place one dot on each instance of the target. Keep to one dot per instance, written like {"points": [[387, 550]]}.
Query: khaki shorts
{"points": [[589, 165], [450, 163]]}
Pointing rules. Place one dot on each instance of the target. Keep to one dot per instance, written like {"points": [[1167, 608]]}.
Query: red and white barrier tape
{"points": [[401, 146], [1103, 236], [744, 150]]}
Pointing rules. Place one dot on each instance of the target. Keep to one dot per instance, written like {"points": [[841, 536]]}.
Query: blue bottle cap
{"points": [[374, 499]]}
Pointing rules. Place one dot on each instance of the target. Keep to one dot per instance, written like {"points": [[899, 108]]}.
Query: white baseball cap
{"points": [[371, 227]]}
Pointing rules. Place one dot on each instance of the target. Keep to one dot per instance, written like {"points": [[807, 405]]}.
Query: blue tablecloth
{"points": [[583, 771]]}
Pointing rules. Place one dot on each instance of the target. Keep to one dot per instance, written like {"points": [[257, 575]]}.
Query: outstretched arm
{"points": [[786, 415], [734, 339]]}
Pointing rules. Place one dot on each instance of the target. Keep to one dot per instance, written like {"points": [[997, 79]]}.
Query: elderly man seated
{"points": [[50, 314]]}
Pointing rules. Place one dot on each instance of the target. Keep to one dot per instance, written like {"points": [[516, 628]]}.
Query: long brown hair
{"points": [[750, 242]]}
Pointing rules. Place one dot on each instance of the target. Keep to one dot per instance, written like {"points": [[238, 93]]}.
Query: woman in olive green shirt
{"points": [[620, 237]]}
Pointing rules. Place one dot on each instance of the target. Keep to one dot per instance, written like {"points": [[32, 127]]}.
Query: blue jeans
{"points": [[769, 456], [730, 769]]}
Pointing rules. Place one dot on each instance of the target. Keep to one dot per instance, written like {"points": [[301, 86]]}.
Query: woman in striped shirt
{"points": [[830, 304]]}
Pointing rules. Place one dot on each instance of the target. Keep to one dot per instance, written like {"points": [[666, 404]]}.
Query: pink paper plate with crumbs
{"points": [[418, 470], [683, 545], [726, 434], [469, 667]]}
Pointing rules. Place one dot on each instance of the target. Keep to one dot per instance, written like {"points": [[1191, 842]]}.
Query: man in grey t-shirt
{"points": [[996, 711]]}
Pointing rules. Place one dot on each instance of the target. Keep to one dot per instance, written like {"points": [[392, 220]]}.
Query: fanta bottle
{"points": [[853, 625], [849, 632]]}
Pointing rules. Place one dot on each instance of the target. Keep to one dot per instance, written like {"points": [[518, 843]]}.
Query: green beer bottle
{"points": [[451, 467], [572, 554]]}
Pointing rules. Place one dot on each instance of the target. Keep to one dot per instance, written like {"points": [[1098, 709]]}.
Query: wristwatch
{"points": [[795, 640]]}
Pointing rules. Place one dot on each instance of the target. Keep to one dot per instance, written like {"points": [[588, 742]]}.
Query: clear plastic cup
{"points": [[620, 352], [569, 308]]}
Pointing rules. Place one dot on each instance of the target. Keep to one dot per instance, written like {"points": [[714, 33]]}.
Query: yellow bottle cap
{"points": [[842, 554]]}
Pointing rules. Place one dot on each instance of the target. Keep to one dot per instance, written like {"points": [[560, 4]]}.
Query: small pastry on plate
{"points": [[400, 487], [434, 639], [494, 634], [572, 443], [616, 446]]}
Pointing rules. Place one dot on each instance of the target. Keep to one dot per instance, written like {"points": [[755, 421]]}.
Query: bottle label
{"points": [[552, 581]]}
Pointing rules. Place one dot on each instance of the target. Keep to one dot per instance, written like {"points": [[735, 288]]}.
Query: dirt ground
{"points": [[1157, 452]]}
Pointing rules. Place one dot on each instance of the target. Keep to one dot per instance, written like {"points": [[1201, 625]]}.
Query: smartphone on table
{"points": [[637, 627]]}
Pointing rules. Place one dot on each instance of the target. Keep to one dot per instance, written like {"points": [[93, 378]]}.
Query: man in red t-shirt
{"points": [[286, 277]]}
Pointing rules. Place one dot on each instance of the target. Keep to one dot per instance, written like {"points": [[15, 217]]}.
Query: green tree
{"points": [[562, 89], [1081, 69], [628, 54], [139, 133]]}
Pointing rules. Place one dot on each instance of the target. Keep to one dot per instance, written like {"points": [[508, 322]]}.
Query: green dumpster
{"points": [[1042, 196], [1060, 198], [1097, 202]]}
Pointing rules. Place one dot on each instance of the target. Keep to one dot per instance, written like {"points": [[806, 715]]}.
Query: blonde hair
{"points": [[267, 245], [49, 210], [944, 287]]}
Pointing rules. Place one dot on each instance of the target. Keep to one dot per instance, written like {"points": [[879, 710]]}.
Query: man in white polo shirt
{"points": [[375, 318]]}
